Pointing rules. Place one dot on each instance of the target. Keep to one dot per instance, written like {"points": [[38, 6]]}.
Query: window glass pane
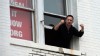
{"points": [[54, 6], [48, 20], [22, 3], [21, 25]]}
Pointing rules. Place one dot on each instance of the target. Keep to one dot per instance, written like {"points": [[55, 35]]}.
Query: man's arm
{"points": [[79, 33], [82, 27], [58, 25]]}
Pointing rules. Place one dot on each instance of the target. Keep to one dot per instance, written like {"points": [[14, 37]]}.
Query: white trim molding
{"points": [[39, 16], [29, 44]]}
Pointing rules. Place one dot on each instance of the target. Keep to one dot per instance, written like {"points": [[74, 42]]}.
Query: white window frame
{"points": [[71, 9], [39, 9], [22, 41]]}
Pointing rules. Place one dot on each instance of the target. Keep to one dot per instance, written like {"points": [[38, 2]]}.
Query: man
{"points": [[65, 31]]}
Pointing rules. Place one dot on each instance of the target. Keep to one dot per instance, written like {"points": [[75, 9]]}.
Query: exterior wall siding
{"points": [[4, 27], [89, 14]]}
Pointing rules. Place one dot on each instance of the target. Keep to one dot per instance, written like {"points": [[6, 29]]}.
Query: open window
{"points": [[53, 14], [54, 11]]}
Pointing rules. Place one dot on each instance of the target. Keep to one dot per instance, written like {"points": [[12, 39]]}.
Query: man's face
{"points": [[69, 21]]}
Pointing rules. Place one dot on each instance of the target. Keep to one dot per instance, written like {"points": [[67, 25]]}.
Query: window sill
{"points": [[30, 44]]}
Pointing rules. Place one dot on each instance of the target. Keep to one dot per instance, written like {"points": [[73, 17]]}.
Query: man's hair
{"points": [[69, 16]]}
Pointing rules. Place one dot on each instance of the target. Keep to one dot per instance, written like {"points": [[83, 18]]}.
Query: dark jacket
{"points": [[64, 36]]}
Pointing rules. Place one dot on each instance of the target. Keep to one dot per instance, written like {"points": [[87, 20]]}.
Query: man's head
{"points": [[69, 20]]}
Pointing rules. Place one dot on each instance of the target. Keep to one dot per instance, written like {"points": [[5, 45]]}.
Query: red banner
{"points": [[21, 25], [22, 3]]}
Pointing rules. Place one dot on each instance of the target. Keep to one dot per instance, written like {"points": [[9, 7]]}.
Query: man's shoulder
{"points": [[73, 27]]}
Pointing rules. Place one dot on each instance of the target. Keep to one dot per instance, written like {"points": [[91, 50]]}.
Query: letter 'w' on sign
{"points": [[16, 23]]}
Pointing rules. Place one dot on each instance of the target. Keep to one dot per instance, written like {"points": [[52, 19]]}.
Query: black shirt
{"points": [[64, 36]]}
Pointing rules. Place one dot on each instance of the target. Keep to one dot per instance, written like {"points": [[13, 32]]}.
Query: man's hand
{"points": [[82, 27], [62, 21], [58, 25]]}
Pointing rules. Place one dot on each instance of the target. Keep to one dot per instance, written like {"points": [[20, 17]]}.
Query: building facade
{"points": [[23, 24]]}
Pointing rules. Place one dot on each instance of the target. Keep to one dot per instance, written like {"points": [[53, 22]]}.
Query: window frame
{"points": [[71, 9], [32, 10], [65, 12]]}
